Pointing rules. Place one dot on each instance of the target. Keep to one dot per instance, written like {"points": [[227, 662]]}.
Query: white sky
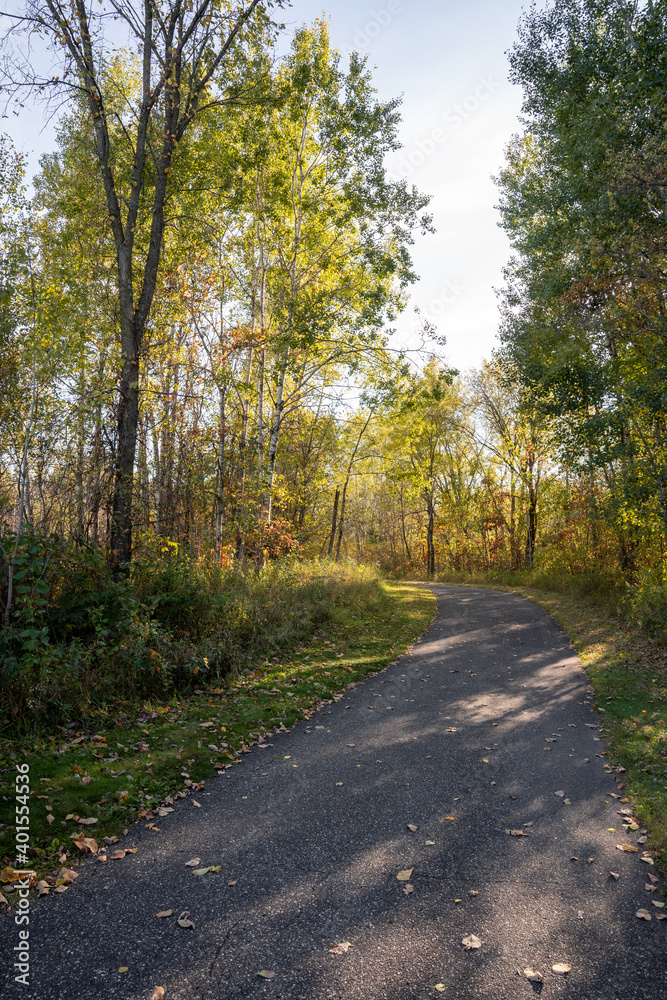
{"points": [[459, 111]]}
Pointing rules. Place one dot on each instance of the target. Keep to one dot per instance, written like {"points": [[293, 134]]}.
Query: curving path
{"points": [[483, 721]]}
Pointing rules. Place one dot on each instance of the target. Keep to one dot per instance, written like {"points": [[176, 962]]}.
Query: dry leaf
{"points": [[123, 968], [67, 874], [648, 860], [195, 803], [192, 863], [407, 889], [89, 821], [340, 949], [84, 843], [157, 993], [184, 920], [561, 968], [338, 784], [615, 875], [200, 871], [628, 848], [265, 974], [473, 892], [485, 760], [560, 794], [405, 874], [470, 942], [118, 854], [429, 843], [566, 802], [165, 913], [516, 833], [533, 975], [661, 916], [652, 878], [411, 826], [643, 914], [233, 882], [440, 987], [450, 818], [658, 903]]}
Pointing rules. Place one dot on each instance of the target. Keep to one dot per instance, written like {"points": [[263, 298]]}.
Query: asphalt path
{"points": [[470, 734]]}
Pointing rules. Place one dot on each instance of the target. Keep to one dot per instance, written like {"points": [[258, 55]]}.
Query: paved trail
{"points": [[460, 727]]}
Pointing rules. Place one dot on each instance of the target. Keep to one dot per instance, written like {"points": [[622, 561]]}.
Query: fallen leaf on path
{"points": [[118, 855], [649, 861], [642, 840], [411, 826], [516, 833], [451, 729], [89, 821], [165, 913], [215, 869], [407, 889], [561, 968], [67, 874], [184, 920], [590, 860], [440, 987], [340, 949], [85, 843], [485, 760], [339, 783], [643, 914], [658, 903], [652, 878], [195, 803], [429, 843], [628, 848], [560, 793], [123, 968], [157, 993], [233, 882], [192, 863], [470, 942], [533, 975], [474, 892], [266, 974], [451, 818], [649, 887], [405, 874], [615, 875], [661, 916], [566, 802]]}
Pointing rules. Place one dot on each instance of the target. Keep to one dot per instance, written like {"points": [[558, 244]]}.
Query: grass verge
{"points": [[92, 781], [628, 673]]}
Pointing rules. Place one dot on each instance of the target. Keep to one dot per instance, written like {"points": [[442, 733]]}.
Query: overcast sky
{"points": [[459, 110]]}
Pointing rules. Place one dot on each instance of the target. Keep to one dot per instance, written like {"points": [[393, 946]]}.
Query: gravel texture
{"points": [[467, 736]]}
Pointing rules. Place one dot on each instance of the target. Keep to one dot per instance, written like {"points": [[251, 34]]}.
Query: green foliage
{"points": [[80, 640]]}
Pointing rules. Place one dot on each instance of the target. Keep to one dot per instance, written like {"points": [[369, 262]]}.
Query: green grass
{"points": [[628, 673], [117, 770]]}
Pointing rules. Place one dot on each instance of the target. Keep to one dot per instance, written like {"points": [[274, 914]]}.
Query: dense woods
{"points": [[201, 392]]}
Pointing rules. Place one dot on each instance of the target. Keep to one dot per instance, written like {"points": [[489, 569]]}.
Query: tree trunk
{"points": [[430, 548], [334, 518]]}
